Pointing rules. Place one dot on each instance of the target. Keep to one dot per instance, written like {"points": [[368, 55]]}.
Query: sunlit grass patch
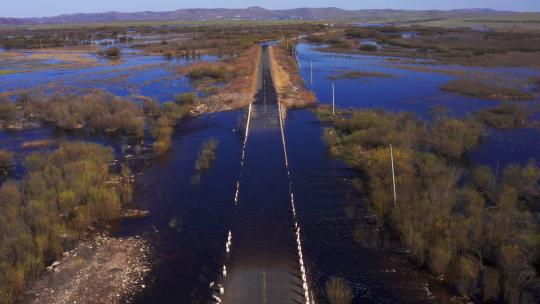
{"points": [[479, 89], [7, 72]]}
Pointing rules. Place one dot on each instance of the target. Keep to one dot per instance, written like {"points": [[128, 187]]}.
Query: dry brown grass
{"points": [[287, 80], [239, 91], [480, 89], [37, 143]]}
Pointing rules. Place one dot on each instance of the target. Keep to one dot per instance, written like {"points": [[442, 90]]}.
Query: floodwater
{"points": [[417, 92], [190, 219], [135, 74], [189, 223]]}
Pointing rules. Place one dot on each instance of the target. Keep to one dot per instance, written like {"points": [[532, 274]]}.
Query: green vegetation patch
{"points": [[207, 155], [358, 74], [505, 116], [217, 73], [7, 72], [112, 53], [43, 215], [163, 127], [6, 161], [477, 231], [97, 111], [479, 89]]}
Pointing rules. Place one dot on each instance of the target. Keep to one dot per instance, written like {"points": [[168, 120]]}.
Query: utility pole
{"points": [[196, 30], [333, 97], [393, 175], [40, 45], [311, 73]]}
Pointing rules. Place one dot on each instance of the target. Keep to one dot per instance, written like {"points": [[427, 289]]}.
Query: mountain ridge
{"points": [[253, 12]]}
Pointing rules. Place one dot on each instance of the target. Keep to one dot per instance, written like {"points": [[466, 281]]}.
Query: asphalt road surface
{"points": [[263, 263]]}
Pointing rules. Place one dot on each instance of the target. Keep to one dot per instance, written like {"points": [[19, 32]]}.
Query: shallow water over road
{"points": [[263, 262]]}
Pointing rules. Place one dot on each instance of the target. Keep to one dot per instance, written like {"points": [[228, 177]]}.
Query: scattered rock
{"points": [[103, 270], [134, 213], [222, 102]]}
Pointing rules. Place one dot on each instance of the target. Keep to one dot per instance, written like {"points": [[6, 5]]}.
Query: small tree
{"points": [[112, 53], [8, 113]]}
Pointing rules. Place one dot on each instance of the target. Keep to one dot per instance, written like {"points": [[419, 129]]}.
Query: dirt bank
{"points": [[287, 81], [103, 270], [240, 91]]}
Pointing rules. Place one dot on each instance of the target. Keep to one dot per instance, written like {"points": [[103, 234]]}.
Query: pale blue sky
{"points": [[38, 8]]}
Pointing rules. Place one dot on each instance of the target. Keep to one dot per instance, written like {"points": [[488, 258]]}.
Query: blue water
{"points": [[135, 74], [188, 222], [417, 92]]}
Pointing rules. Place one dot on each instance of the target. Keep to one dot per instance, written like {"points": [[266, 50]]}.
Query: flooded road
{"points": [[247, 193], [262, 266]]}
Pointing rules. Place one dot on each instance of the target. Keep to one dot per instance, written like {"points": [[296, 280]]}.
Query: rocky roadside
{"points": [[222, 102], [239, 93], [103, 270]]}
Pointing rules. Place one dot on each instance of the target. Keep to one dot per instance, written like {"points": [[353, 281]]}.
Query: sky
{"points": [[40, 8]]}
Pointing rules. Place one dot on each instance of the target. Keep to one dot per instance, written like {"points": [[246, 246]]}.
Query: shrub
{"points": [[491, 283], [340, 43], [162, 132], [368, 47], [465, 275], [505, 116], [8, 113], [6, 161], [440, 256], [172, 111], [186, 98], [151, 108], [207, 155], [315, 38], [479, 230], [61, 194], [97, 111], [452, 138], [338, 291], [215, 72], [112, 53]]}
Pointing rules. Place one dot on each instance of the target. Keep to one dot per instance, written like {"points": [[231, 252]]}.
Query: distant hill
{"points": [[250, 13]]}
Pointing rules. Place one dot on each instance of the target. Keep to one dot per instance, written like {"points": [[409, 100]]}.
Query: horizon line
{"points": [[260, 7]]}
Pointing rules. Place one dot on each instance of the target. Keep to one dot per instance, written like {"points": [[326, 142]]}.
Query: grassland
{"points": [[359, 74], [7, 72], [479, 89], [505, 116]]}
